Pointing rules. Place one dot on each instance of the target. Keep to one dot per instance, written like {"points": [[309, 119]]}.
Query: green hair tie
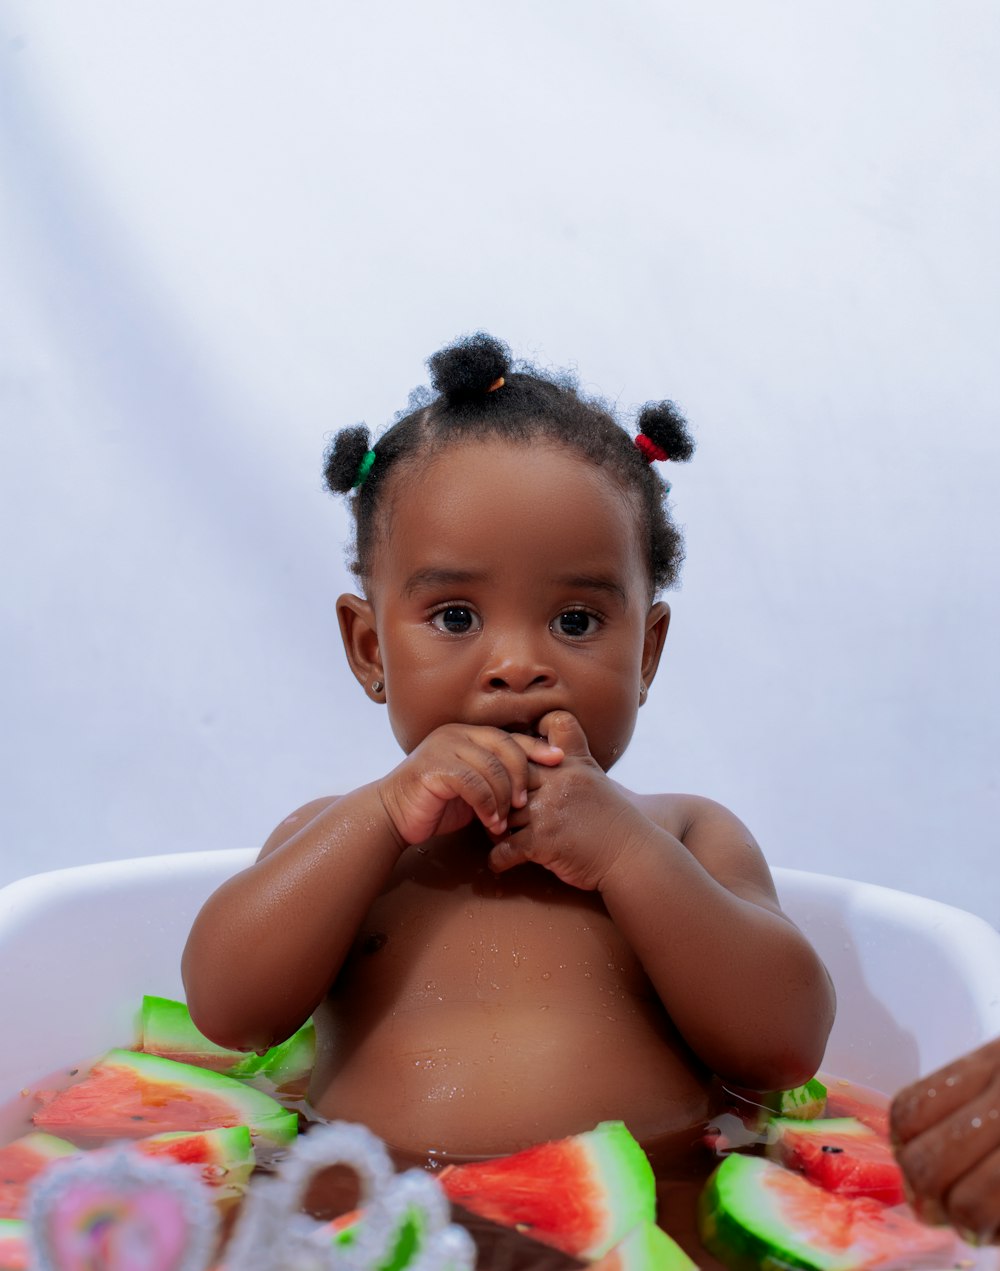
{"points": [[364, 467]]}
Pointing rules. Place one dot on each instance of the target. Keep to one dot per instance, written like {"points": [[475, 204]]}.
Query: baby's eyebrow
{"points": [[594, 582], [434, 577]]}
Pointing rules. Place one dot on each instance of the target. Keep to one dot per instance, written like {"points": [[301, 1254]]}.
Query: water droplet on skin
{"points": [[430, 985], [931, 1093], [517, 958], [546, 975], [543, 1008], [952, 1080], [588, 975], [994, 1113]]}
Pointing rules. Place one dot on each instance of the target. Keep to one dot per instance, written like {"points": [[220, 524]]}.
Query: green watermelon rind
{"points": [[755, 1215], [581, 1194], [230, 1145], [851, 1127], [167, 1029], [622, 1170], [264, 1116], [47, 1146], [647, 1247], [745, 1226], [804, 1102]]}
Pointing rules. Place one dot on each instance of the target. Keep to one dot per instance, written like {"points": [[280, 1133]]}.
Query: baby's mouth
{"points": [[525, 730]]}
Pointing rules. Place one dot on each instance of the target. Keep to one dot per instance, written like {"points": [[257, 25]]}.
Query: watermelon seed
{"points": [[829, 1147]]}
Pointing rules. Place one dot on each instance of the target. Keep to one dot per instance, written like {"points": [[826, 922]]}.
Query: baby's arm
{"points": [[744, 986], [269, 942], [946, 1129]]}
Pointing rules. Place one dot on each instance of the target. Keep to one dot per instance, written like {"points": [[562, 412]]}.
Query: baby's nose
{"points": [[516, 668]]}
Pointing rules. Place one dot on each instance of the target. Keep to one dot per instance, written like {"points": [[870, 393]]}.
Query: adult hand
{"points": [[946, 1132]]}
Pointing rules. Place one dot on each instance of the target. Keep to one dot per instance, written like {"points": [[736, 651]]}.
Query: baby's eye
{"points": [[456, 620], [576, 622]]}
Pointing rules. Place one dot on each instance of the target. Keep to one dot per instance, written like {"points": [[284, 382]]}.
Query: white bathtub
{"points": [[918, 982]]}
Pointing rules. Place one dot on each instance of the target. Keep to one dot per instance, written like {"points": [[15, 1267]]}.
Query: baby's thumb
{"points": [[563, 730]]}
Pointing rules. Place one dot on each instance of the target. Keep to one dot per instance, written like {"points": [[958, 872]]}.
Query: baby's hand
{"points": [[946, 1131], [575, 819], [458, 773]]}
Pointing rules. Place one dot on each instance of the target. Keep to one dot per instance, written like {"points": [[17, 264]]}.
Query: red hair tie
{"points": [[651, 451]]}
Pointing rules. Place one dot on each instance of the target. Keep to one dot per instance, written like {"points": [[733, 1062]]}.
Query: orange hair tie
{"points": [[497, 383]]}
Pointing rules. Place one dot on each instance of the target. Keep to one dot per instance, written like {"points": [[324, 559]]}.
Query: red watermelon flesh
{"points": [[13, 1245], [841, 1155], [130, 1095], [755, 1213], [21, 1162], [580, 1194], [225, 1157], [873, 1111]]}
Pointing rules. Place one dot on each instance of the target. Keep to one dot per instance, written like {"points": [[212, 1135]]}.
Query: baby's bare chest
{"points": [[446, 935]]}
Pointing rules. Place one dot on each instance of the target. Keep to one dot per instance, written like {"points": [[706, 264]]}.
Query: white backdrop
{"points": [[230, 228]]}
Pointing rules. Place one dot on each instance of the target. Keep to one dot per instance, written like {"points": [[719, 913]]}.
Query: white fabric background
{"points": [[230, 228]]}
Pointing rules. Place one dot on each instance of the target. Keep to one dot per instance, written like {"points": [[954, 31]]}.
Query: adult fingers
{"points": [[929, 1101], [973, 1204], [935, 1161]]}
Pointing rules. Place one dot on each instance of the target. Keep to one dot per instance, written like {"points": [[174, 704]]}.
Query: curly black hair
{"points": [[481, 392]]}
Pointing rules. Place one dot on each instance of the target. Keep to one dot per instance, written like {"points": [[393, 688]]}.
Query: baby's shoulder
{"points": [[296, 821], [715, 836]]}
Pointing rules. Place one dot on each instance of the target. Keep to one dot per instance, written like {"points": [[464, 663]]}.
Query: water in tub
{"points": [[681, 1168]]}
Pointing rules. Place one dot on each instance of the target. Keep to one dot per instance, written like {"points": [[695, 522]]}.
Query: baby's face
{"points": [[511, 584]]}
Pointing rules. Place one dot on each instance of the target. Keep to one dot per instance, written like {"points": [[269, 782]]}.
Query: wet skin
{"points": [[946, 1128], [502, 944]]}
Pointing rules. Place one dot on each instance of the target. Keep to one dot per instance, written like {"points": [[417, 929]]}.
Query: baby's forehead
{"points": [[488, 513]]}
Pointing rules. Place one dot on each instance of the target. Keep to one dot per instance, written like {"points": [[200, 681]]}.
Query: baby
{"points": [[946, 1128], [502, 945]]}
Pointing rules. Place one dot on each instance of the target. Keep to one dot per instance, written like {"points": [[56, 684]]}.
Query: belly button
{"points": [[374, 941]]}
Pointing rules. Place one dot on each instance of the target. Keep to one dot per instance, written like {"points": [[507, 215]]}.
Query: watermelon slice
{"points": [[841, 1155], [21, 1162], [169, 1030], [873, 1111], [753, 1213], [804, 1103], [646, 1248], [225, 1157], [129, 1095], [580, 1194], [13, 1244]]}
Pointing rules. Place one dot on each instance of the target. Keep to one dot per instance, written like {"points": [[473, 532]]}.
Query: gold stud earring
{"points": [[377, 686], [642, 692]]}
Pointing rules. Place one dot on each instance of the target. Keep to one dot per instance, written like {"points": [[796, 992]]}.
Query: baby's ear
{"points": [[360, 635], [657, 622]]}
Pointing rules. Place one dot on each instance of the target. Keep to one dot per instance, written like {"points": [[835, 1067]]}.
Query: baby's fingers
{"points": [[508, 853]]}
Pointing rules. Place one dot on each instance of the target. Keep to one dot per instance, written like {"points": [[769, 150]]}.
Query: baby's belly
{"points": [[481, 1077]]}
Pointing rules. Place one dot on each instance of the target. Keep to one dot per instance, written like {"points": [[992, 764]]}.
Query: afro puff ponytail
{"points": [[469, 368]]}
